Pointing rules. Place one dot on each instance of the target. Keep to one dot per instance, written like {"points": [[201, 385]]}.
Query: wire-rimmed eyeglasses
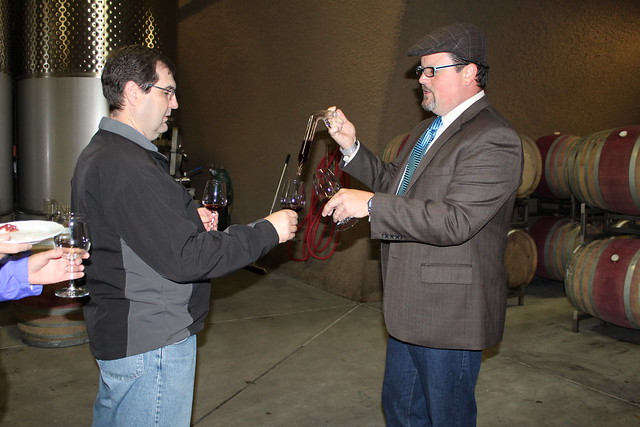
{"points": [[431, 71], [169, 91]]}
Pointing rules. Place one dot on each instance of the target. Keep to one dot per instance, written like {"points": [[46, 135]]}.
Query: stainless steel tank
{"points": [[6, 113], [63, 45]]}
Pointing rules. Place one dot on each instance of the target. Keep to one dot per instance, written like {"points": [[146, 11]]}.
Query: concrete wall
{"points": [[251, 73]]}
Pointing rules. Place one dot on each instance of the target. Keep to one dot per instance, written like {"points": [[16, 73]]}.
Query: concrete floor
{"points": [[278, 352]]}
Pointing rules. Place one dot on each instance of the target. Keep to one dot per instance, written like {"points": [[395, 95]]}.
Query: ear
{"points": [[132, 93], [470, 72]]}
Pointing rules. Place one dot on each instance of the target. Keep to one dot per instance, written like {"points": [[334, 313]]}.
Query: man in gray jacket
{"points": [[152, 251], [442, 210]]}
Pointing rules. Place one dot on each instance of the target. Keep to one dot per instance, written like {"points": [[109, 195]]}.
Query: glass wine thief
{"points": [[312, 123]]}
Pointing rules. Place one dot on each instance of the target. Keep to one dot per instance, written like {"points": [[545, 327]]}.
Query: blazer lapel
{"points": [[403, 157], [451, 130]]}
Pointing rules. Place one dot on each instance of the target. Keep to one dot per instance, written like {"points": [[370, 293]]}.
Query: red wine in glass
{"points": [[214, 207], [293, 195], [293, 206], [215, 195]]}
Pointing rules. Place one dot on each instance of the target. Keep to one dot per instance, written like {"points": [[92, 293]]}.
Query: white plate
{"points": [[32, 231]]}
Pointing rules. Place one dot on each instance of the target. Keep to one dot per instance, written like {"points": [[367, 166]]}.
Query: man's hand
{"points": [[341, 129], [51, 267], [348, 203], [285, 223], [209, 219], [11, 248]]}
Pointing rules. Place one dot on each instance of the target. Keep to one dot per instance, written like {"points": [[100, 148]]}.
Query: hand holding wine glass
{"points": [[285, 223], [47, 267], [326, 185], [215, 195], [74, 242], [293, 195]]}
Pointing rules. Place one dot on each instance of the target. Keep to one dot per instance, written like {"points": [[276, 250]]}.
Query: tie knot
{"points": [[436, 123]]}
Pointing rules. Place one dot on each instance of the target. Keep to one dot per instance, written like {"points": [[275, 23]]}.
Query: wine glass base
{"points": [[346, 223], [72, 292]]}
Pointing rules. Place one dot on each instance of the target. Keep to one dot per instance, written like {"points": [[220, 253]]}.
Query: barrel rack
{"points": [[613, 224], [519, 220], [541, 206]]}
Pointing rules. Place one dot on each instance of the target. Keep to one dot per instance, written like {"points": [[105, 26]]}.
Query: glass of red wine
{"points": [[74, 242], [326, 185], [293, 195], [215, 195]]}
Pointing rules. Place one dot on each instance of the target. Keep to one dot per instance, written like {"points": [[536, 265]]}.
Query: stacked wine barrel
{"points": [[602, 280], [601, 170], [532, 167], [555, 150], [556, 237], [520, 259]]}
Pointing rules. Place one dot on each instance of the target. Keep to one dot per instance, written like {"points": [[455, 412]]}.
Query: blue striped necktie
{"points": [[418, 152]]}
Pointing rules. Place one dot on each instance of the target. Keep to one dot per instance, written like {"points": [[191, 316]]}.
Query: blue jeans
{"points": [[429, 387], [149, 389]]}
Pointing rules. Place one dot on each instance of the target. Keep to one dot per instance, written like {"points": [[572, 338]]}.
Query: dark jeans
{"points": [[429, 387]]}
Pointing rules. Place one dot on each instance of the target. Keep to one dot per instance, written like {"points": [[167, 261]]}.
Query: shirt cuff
{"points": [[349, 153], [15, 276], [26, 289]]}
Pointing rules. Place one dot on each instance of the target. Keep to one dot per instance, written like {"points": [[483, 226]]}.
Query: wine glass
{"points": [[326, 185], [74, 242], [215, 195], [292, 196], [50, 209]]}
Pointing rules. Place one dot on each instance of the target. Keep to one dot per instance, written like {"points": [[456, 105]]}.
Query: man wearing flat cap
{"points": [[442, 211]]}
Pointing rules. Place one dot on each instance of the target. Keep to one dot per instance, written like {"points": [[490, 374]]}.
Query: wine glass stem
{"points": [[71, 280]]}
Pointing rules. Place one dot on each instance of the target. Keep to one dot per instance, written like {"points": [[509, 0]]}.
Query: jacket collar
{"points": [[126, 131], [454, 127]]}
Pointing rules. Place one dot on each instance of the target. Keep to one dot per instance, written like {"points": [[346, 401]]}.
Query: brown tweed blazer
{"points": [[443, 242]]}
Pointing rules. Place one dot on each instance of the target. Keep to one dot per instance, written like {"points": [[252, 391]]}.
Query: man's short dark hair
{"points": [[135, 63], [483, 70]]}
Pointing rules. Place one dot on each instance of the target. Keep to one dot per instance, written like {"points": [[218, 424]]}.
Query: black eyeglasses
{"points": [[431, 71], [169, 91]]}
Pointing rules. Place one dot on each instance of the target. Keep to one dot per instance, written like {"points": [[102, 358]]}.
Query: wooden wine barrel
{"points": [[520, 259], [48, 321], [532, 168], [604, 170], [393, 147], [556, 237], [554, 180], [603, 280]]}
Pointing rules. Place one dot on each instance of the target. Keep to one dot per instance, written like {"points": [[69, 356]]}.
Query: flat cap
{"points": [[463, 40]]}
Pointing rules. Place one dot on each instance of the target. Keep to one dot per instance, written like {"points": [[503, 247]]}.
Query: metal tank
{"points": [[6, 114], [62, 46]]}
